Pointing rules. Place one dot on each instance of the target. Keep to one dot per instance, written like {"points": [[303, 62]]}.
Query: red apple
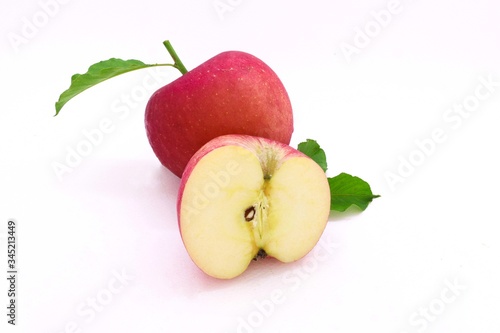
{"points": [[231, 93], [244, 197]]}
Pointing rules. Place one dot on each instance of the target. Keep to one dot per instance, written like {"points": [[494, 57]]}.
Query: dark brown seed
{"points": [[249, 213]]}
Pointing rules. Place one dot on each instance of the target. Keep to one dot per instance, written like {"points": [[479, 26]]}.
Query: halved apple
{"points": [[243, 197]]}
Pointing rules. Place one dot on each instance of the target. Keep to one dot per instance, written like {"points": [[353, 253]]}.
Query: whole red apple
{"points": [[231, 93]]}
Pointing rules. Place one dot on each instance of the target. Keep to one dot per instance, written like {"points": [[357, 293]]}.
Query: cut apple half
{"points": [[243, 198]]}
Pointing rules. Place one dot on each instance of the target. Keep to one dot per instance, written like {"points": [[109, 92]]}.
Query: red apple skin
{"points": [[231, 93], [244, 141]]}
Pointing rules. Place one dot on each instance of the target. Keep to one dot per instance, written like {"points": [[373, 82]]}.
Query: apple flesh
{"points": [[243, 197], [231, 93]]}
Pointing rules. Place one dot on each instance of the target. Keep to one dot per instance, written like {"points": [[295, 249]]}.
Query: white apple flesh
{"points": [[243, 197]]}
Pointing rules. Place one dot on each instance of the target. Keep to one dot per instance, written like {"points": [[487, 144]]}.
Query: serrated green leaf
{"points": [[312, 149], [347, 190], [98, 73]]}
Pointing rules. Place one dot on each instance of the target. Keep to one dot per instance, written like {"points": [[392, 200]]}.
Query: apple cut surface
{"points": [[300, 200], [243, 197]]}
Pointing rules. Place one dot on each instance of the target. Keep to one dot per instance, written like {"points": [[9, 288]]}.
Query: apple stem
{"points": [[177, 61]]}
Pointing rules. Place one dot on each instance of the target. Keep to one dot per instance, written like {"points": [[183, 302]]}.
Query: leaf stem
{"points": [[177, 61]]}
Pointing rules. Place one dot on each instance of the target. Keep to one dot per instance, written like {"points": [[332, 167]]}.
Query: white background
{"points": [[371, 88]]}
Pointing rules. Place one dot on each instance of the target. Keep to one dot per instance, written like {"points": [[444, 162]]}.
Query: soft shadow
{"points": [[258, 273], [348, 214]]}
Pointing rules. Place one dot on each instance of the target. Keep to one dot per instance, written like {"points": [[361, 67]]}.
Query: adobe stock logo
{"points": [[96, 303], [291, 280], [424, 316], [453, 118], [363, 36], [225, 6], [31, 25], [211, 189], [121, 109]]}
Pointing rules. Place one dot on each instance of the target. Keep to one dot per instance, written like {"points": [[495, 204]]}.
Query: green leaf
{"points": [[108, 69], [347, 190], [312, 149], [98, 73]]}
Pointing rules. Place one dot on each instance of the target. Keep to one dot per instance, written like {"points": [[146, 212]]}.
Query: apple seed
{"points": [[249, 213]]}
